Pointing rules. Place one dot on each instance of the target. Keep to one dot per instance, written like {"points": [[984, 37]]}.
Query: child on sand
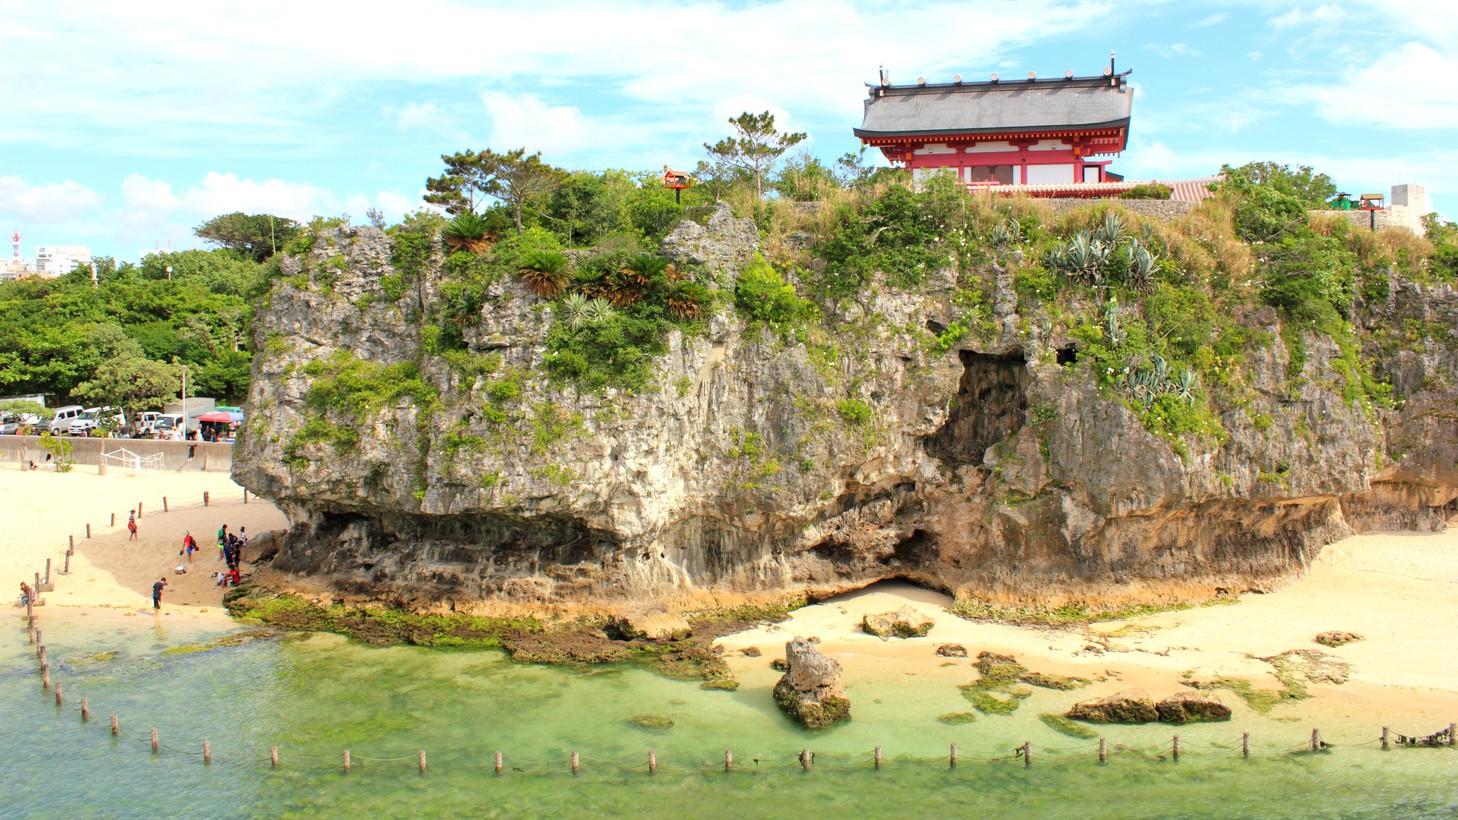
{"points": [[132, 526], [157, 593], [189, 544]]}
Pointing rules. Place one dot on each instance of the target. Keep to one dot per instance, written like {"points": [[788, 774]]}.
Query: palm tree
{"points": [[545, 273]]}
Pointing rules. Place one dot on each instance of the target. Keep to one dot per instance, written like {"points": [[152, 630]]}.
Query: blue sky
{"points": [[127, 124]]}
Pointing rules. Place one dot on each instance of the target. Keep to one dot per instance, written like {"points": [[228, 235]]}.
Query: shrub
{"points": [[1148, 190], [761, 295], [854, 411]]}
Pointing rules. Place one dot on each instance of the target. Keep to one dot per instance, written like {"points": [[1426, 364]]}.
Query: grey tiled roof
{"points": [[996, 107]]}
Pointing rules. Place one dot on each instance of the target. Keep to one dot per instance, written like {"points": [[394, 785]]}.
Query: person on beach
{"points": [[222, 541], [25, 593], [157, 593], [189, 544], [132, 526]]}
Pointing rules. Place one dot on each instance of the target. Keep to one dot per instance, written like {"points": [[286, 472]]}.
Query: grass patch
{"points": [[377, 626]]}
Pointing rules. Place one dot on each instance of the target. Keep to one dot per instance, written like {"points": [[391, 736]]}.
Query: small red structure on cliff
{"points": [[1003, 132]]}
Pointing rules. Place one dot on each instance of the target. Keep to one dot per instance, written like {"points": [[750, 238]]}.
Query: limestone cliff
{"points": [[759, 460]]}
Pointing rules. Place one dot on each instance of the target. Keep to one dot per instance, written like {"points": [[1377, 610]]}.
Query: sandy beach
{"points": [[45, 509], [1397, 590]]}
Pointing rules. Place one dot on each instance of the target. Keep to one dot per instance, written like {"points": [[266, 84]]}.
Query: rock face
{"points": [[810, 691], [906, 622], [757, 465], [1191, 707], [1130, 706]]}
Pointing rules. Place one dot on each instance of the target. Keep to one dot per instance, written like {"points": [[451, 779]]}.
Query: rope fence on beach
{"points": [[805, 760]]}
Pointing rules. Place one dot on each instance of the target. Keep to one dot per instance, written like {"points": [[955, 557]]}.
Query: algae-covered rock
{"points": [[651, 723], [958, 718], [1337, 637], [810, 691], [1063, 725], [906, 622], [1191, 707], [952, 650], [1129, 706]]}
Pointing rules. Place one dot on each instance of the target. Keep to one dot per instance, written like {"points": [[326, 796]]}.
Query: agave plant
{"points": [[467, 231], [597, 310], [1141, 266], [572, 307], [545, 273], [1111, 231], [1008, 232], [1186, 385]]}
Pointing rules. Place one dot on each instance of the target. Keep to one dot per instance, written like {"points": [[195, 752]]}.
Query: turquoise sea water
{"points": [[317, 696]]}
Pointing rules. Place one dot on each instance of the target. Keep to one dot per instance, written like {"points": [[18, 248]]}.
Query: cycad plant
{"points": [[687, 301], [545, 273], [467, 231]]}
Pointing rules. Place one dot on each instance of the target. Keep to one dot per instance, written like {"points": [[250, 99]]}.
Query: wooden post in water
{"points": [[40, 654], [38, 589], [1452, 730], [115, 726], [164, 501], [85, 710], [59, 702], [1315, 739], [1175, 749], [48, 567], [207, 753], [66, 570], [498, 764], [273, 756], [805, 759], [422, 761], [1384, 738], [652, 762], [154, 741], [576, 766], [1027, 754], [1103, 752], [878, 758], [346, 761], [728, 761], [45, 679], [1245, 745], [952, 758]]}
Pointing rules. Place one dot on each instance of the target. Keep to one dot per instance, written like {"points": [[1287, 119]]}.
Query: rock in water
{"points": [[905, 622], [1129, 706], [810, 690], [1337, 637], [1191, 707]]}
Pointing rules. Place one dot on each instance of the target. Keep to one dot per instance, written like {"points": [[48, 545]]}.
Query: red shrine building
{"points": [[1049, 133]]}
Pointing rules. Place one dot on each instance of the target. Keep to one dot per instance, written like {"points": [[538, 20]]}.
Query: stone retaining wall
{"points": [[1157, 209]]}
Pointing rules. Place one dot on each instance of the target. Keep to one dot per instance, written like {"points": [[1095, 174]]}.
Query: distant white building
{"points": [[55, 260]]}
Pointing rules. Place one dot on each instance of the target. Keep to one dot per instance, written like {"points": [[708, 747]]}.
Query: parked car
{"points": [[9, 424], [145, 425]]}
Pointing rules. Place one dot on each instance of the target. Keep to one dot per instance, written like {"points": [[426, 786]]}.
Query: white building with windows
{"points": [[55, 260]]}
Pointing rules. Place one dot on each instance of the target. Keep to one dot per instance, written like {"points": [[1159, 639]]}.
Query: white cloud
{"points": [[225, 193], [47, 202], [1409, 89], [415, 115], [1213, 20], [526, 121], [1314, 18]]}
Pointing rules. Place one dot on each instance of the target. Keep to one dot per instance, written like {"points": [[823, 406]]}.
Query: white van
{"points": [[61, 422]]}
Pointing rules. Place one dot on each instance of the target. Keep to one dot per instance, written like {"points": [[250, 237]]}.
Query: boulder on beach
{"points": [[906, 622], [811, 691], [1336, 637], [1129, 706], [952, 650], [1191, 707]]}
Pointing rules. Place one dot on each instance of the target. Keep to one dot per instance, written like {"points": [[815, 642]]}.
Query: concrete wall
{"points": [[1393, 216], [215, 457]]}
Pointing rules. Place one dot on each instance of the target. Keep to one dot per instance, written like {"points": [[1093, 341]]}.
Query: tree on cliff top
{"points": [[755, 147], [513, 178], [258, 235]]}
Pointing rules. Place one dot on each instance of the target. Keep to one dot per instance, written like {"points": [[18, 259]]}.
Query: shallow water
{"points": [[317, 696]]}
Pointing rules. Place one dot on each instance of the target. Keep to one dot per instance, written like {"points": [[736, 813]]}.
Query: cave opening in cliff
{"points": [[1067, 355], [990, 406]]}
